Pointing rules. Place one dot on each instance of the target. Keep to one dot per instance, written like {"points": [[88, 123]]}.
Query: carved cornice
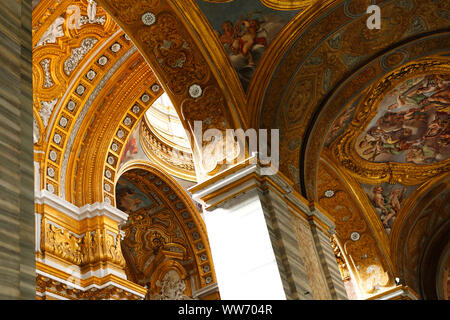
{"points": [[59, 289], [86, 212]]}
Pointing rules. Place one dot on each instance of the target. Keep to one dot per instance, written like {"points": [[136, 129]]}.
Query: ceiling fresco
{"points": [[133, 150], [330, 63], [246, 30], [339, 125], [412, 123], [387, 200], [130, 198]]}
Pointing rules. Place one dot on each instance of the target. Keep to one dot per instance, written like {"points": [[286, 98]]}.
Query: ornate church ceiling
{"points": [[362, 114]]}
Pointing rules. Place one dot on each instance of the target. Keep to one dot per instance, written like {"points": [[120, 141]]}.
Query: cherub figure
{"points": [[127, 200], [387, 206], [227, 36], [246, 32], [394, 200], [378, 198]]}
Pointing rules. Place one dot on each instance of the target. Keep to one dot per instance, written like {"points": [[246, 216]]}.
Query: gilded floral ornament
{"points": [[195, 91], [148, 18], [176, 57]]}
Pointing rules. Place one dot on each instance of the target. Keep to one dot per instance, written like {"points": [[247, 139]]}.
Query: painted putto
{"points": [[246, 31], [412, 124], [246, 41], [388, 200]]}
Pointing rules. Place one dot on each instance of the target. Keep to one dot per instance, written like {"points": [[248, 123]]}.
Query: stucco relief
{"points": [[172, 288]]}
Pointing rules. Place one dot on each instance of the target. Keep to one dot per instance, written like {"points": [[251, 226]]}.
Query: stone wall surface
{"points": [[17, 248]]}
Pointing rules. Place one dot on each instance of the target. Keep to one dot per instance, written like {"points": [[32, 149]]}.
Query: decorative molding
{"points": [[83, 113], [288, 4], [48, 82], [86, 212]]}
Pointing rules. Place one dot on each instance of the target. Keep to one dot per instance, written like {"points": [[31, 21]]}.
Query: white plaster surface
{"points": [[242, 252]]}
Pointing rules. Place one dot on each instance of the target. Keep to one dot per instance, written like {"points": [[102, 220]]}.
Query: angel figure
{"points": [[394, 200]]}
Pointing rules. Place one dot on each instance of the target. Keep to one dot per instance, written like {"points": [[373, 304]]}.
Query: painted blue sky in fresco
{"points": [[217, 13], [250, 29]]}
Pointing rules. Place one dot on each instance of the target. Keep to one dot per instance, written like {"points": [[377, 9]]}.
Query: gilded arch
{"points": [[428, 219], [185, 70], [166, 233]]}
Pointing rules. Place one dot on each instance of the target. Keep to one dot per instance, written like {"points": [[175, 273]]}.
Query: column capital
{"points": [[248, 175]]}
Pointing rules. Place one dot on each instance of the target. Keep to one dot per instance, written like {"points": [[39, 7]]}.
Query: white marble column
{"points": [[261, 239]]}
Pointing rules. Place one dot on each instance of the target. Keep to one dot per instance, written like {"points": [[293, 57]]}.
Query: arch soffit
{"points": [[184, 65], [71, 88], [196, 234], [352, 215], [408, 219]]}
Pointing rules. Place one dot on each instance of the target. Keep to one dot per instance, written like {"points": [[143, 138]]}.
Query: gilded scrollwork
{"points": [[175, 55], [132, 13], [361, 247]]}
